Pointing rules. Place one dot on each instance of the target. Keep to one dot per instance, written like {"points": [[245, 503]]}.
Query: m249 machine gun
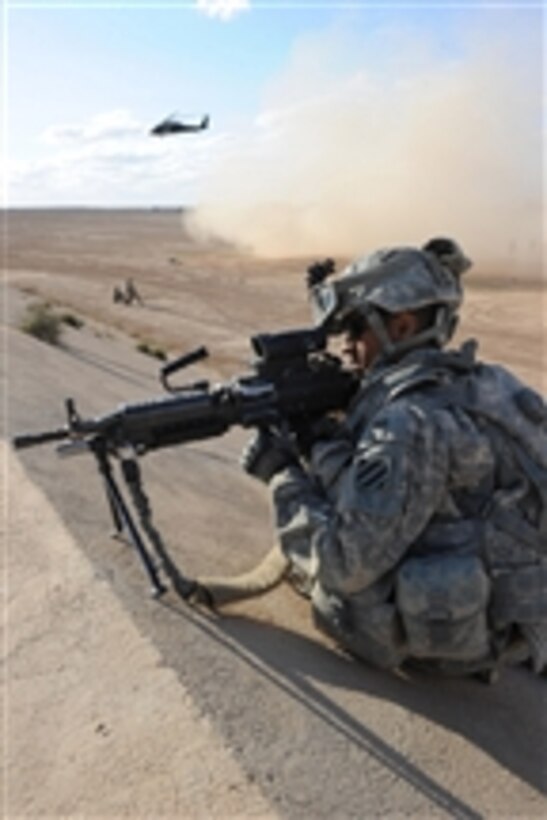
{"points": [[294, 382]]}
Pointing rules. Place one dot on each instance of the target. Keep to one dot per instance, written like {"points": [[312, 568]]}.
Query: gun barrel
{"points": [[31, 440]]}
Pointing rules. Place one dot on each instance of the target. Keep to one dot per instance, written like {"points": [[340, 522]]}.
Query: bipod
{"points": [[125, 523], [131, 472]]}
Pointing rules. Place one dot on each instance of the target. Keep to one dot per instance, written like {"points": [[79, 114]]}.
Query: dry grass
{"points": [[42, 323]]}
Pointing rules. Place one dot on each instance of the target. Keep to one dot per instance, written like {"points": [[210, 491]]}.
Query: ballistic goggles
{"points": [[337, 303]]}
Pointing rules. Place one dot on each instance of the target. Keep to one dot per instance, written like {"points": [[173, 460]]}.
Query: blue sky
{"points": [[84, 81]]}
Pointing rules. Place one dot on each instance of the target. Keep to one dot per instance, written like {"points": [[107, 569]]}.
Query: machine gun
{"points": [[293, 383]]}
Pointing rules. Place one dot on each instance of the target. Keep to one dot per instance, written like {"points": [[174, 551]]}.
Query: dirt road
{"points": [[118, 705]]}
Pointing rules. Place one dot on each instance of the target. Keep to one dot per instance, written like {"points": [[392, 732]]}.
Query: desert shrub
{"points": [[30, 290], [151, 350], [72, 321], [43, 324]]}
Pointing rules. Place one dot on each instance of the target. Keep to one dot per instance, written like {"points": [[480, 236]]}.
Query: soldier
{"points": [[131, 293], [417, 525], [118, 295]]}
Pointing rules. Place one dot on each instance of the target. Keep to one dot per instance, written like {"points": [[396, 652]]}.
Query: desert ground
{"points": [[120, 705]]}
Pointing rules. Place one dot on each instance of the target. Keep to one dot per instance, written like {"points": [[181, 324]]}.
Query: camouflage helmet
{"points": [[393, 280]]}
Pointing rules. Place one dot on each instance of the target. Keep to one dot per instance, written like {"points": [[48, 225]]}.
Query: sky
{"points": [[334, 125]]}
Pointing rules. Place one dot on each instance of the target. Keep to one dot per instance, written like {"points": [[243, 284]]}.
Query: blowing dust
{"points": [[367, 141]]}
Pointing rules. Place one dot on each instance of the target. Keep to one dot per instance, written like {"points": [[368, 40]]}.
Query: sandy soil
{"points": [[116, 705]]}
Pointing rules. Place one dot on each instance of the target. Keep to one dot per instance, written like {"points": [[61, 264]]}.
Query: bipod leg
{"points": [[113, 504], [123, 520], [182, 585]]}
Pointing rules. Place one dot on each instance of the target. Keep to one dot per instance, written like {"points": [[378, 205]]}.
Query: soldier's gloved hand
{"points": [[267, 453], [324, 429], [331, 451]]}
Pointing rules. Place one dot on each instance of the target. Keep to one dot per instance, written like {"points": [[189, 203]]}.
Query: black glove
{"points": [[324, 429], [267, 453]]}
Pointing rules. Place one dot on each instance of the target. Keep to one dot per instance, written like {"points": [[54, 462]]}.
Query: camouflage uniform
{"points": [[419, 530]]}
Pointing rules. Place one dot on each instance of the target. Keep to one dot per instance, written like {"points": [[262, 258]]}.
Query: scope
{"points": [[291, 344]]}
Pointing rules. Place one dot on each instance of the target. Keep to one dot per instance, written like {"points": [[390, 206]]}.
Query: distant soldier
{"points": [[131, 293], [118, 296], [417, 525]]}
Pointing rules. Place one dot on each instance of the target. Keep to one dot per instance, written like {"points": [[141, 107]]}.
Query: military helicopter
{"points": [[170, 125]]}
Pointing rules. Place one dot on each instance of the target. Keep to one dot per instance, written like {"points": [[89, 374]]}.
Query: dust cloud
{"points": [[392, 138]]}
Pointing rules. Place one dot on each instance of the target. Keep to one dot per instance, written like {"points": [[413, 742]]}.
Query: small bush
{"points": [[72, 321], [150, 350], [41, 323]]}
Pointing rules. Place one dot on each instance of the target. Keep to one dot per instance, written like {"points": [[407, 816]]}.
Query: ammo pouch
{"points": [[373, 635], [442, 600]]}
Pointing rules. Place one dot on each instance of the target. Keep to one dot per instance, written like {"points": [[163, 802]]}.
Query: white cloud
{"points": [[224, 9], [107, 125]]}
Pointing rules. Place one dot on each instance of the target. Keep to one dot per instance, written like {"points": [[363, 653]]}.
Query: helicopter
{"points": [[170, 125]]}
